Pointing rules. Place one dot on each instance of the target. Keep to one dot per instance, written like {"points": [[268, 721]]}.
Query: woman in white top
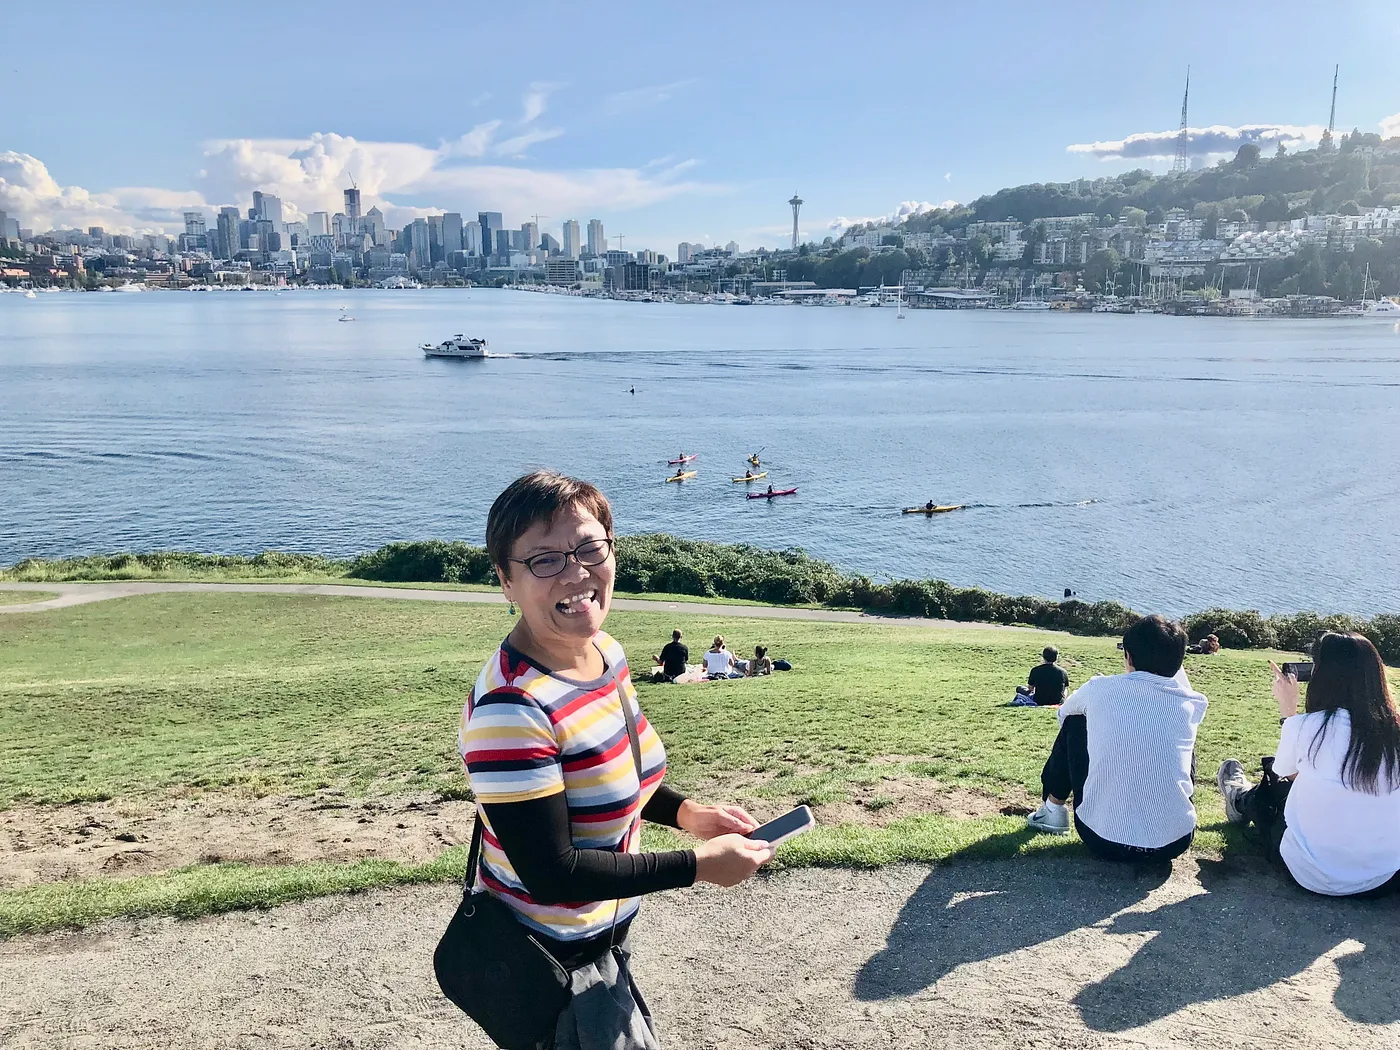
{"points": [[719, 661], [1329, 807]]}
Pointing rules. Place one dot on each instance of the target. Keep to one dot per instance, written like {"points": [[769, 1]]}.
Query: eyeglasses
{"points": [[552, 563]]}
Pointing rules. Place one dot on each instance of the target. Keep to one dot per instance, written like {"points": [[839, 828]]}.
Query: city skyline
{"points": [[662, 153]]}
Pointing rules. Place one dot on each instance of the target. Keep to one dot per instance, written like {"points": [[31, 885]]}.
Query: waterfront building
{"points": [[683, 252], [597, 243], [570, 246], [228, 231], [435, 238], [561, 269]]}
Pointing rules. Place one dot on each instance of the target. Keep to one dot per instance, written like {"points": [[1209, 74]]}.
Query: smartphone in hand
{"points": [[1301, 670], [790, 824]]}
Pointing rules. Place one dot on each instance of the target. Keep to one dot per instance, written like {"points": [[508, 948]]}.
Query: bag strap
{"points": [[473, 856], [631, 721]]}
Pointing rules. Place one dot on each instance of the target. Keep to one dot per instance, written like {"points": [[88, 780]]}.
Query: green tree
{"points": [[1133, 216], [1100, 270], [1273, 208], [979, 249], [1210, 225], [1246, 156], [1349, 208], [1281, 152]]}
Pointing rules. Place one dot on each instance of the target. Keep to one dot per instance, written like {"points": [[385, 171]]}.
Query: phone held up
{"points": [[1301, 670], [790, 824]]}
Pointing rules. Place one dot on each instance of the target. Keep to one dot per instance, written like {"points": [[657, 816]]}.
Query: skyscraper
{"points": [[597, 243], [571, 244], [530, 235], [490, 224], [471, 238], [373, 223], [352, 204], [503, 242], [452, 232], [420, 246], [194, 223], [320, 223], [271, 209], [229, 241], [435, 237]]}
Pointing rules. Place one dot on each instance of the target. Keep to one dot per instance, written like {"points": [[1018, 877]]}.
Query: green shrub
{"points": [[1384, 632], [1298, 632], [1234, 628], [425, 561]]}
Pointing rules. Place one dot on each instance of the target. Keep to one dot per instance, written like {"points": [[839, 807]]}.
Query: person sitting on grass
{"points": [[674, 657], [1207, 646], [719, 661], [1047, 682], [1125, 753], [1329, 803], [760, 664]]}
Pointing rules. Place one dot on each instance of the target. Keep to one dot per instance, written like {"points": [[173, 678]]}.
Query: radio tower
{"points": [[1181, 163], [796, 203], [1326, 143]]}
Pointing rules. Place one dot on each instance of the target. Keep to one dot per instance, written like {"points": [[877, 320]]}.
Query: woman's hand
{"points": [[1285, 691], [708, 822], [730, 859]]}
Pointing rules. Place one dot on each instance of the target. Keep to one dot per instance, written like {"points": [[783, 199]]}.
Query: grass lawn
{"points": [[9, 597], [161, 695]]}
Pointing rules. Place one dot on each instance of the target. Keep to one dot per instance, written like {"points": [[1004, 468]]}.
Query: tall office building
{"points": [[683, 251], [420, 253], [435, 237], [504, 242], [320, 223], [571, 245], [373, 224], [352, 204], [471, 238], [451, 232], [194, 224], [490, 224], [228, 224], [597, 243], [530, 236]]}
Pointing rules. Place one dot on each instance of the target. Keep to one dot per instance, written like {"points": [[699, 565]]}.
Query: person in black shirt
{"points": [[1047, 681], [673, 658]]}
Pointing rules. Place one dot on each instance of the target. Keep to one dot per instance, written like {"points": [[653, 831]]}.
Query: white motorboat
{"points": [[1030, 304], [458, 346], [1386, 309]]}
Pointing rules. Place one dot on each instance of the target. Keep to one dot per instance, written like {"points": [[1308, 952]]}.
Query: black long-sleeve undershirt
{"points": [[536, 836]]}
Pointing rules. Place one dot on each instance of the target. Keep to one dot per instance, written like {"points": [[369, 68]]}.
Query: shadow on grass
{"points": [[1247, 930]]}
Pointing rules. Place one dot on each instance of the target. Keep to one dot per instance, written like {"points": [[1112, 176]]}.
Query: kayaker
{"points": [[770, 490], [929, 505]]}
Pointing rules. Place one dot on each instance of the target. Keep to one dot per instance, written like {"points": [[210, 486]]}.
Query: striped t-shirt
{"points": [[527, 734]]}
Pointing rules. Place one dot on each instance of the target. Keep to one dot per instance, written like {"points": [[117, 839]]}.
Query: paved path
{"points": [[1055, 954], [70, 594]]}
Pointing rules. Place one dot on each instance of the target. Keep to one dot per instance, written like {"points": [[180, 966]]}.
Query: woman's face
{"points": [[567, 609]]}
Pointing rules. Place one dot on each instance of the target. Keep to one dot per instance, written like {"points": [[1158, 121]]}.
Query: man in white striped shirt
{"points": [[1126, 753]]}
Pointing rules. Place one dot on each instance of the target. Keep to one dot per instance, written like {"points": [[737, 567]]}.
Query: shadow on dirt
{"points": [[1247, 931]]}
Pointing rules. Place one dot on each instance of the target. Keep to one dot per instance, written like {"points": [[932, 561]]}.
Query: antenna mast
{"points": [[1181, 163], [1332, 116]]}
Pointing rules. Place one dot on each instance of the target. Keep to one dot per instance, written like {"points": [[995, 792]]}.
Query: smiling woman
{"points": [[565, 766]]}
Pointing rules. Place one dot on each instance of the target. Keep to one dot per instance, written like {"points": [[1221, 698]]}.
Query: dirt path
{"points": [[1047, 953], [70, 594]]}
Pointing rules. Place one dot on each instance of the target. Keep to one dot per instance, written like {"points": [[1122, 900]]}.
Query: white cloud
{"points": [[641, 98], [536, 99], [1216, 140], [947, 176], [1390, 126], [29, 193], [475, 142], [516, 146], [905, 209]]}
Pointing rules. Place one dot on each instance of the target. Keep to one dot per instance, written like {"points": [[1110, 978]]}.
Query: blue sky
{"points": [[670, 122]]}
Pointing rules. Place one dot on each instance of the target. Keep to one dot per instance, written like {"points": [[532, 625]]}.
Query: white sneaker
{"points": [[1050, 819], [1233, 783]]}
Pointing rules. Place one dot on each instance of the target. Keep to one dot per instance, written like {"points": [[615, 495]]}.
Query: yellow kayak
{"points": [[754, 459], [751, 477], [941, 509], [682, 476]]}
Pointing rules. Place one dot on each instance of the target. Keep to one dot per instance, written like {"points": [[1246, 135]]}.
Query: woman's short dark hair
{"points": [[1156, 644], [534, 498], [1050, 653], [1349, 675]]}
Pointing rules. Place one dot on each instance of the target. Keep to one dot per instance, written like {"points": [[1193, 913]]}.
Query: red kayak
{"points": [[770, 495], [682, 460]]}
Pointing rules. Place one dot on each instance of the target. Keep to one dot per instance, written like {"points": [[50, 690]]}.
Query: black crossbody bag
{"points": [[493, 968]]}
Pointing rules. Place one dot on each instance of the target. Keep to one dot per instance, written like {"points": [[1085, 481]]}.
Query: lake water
{"points": [[1171, 463]]}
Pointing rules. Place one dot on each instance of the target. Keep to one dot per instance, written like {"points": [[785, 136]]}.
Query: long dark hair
{"points": [[1349, 675]]}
